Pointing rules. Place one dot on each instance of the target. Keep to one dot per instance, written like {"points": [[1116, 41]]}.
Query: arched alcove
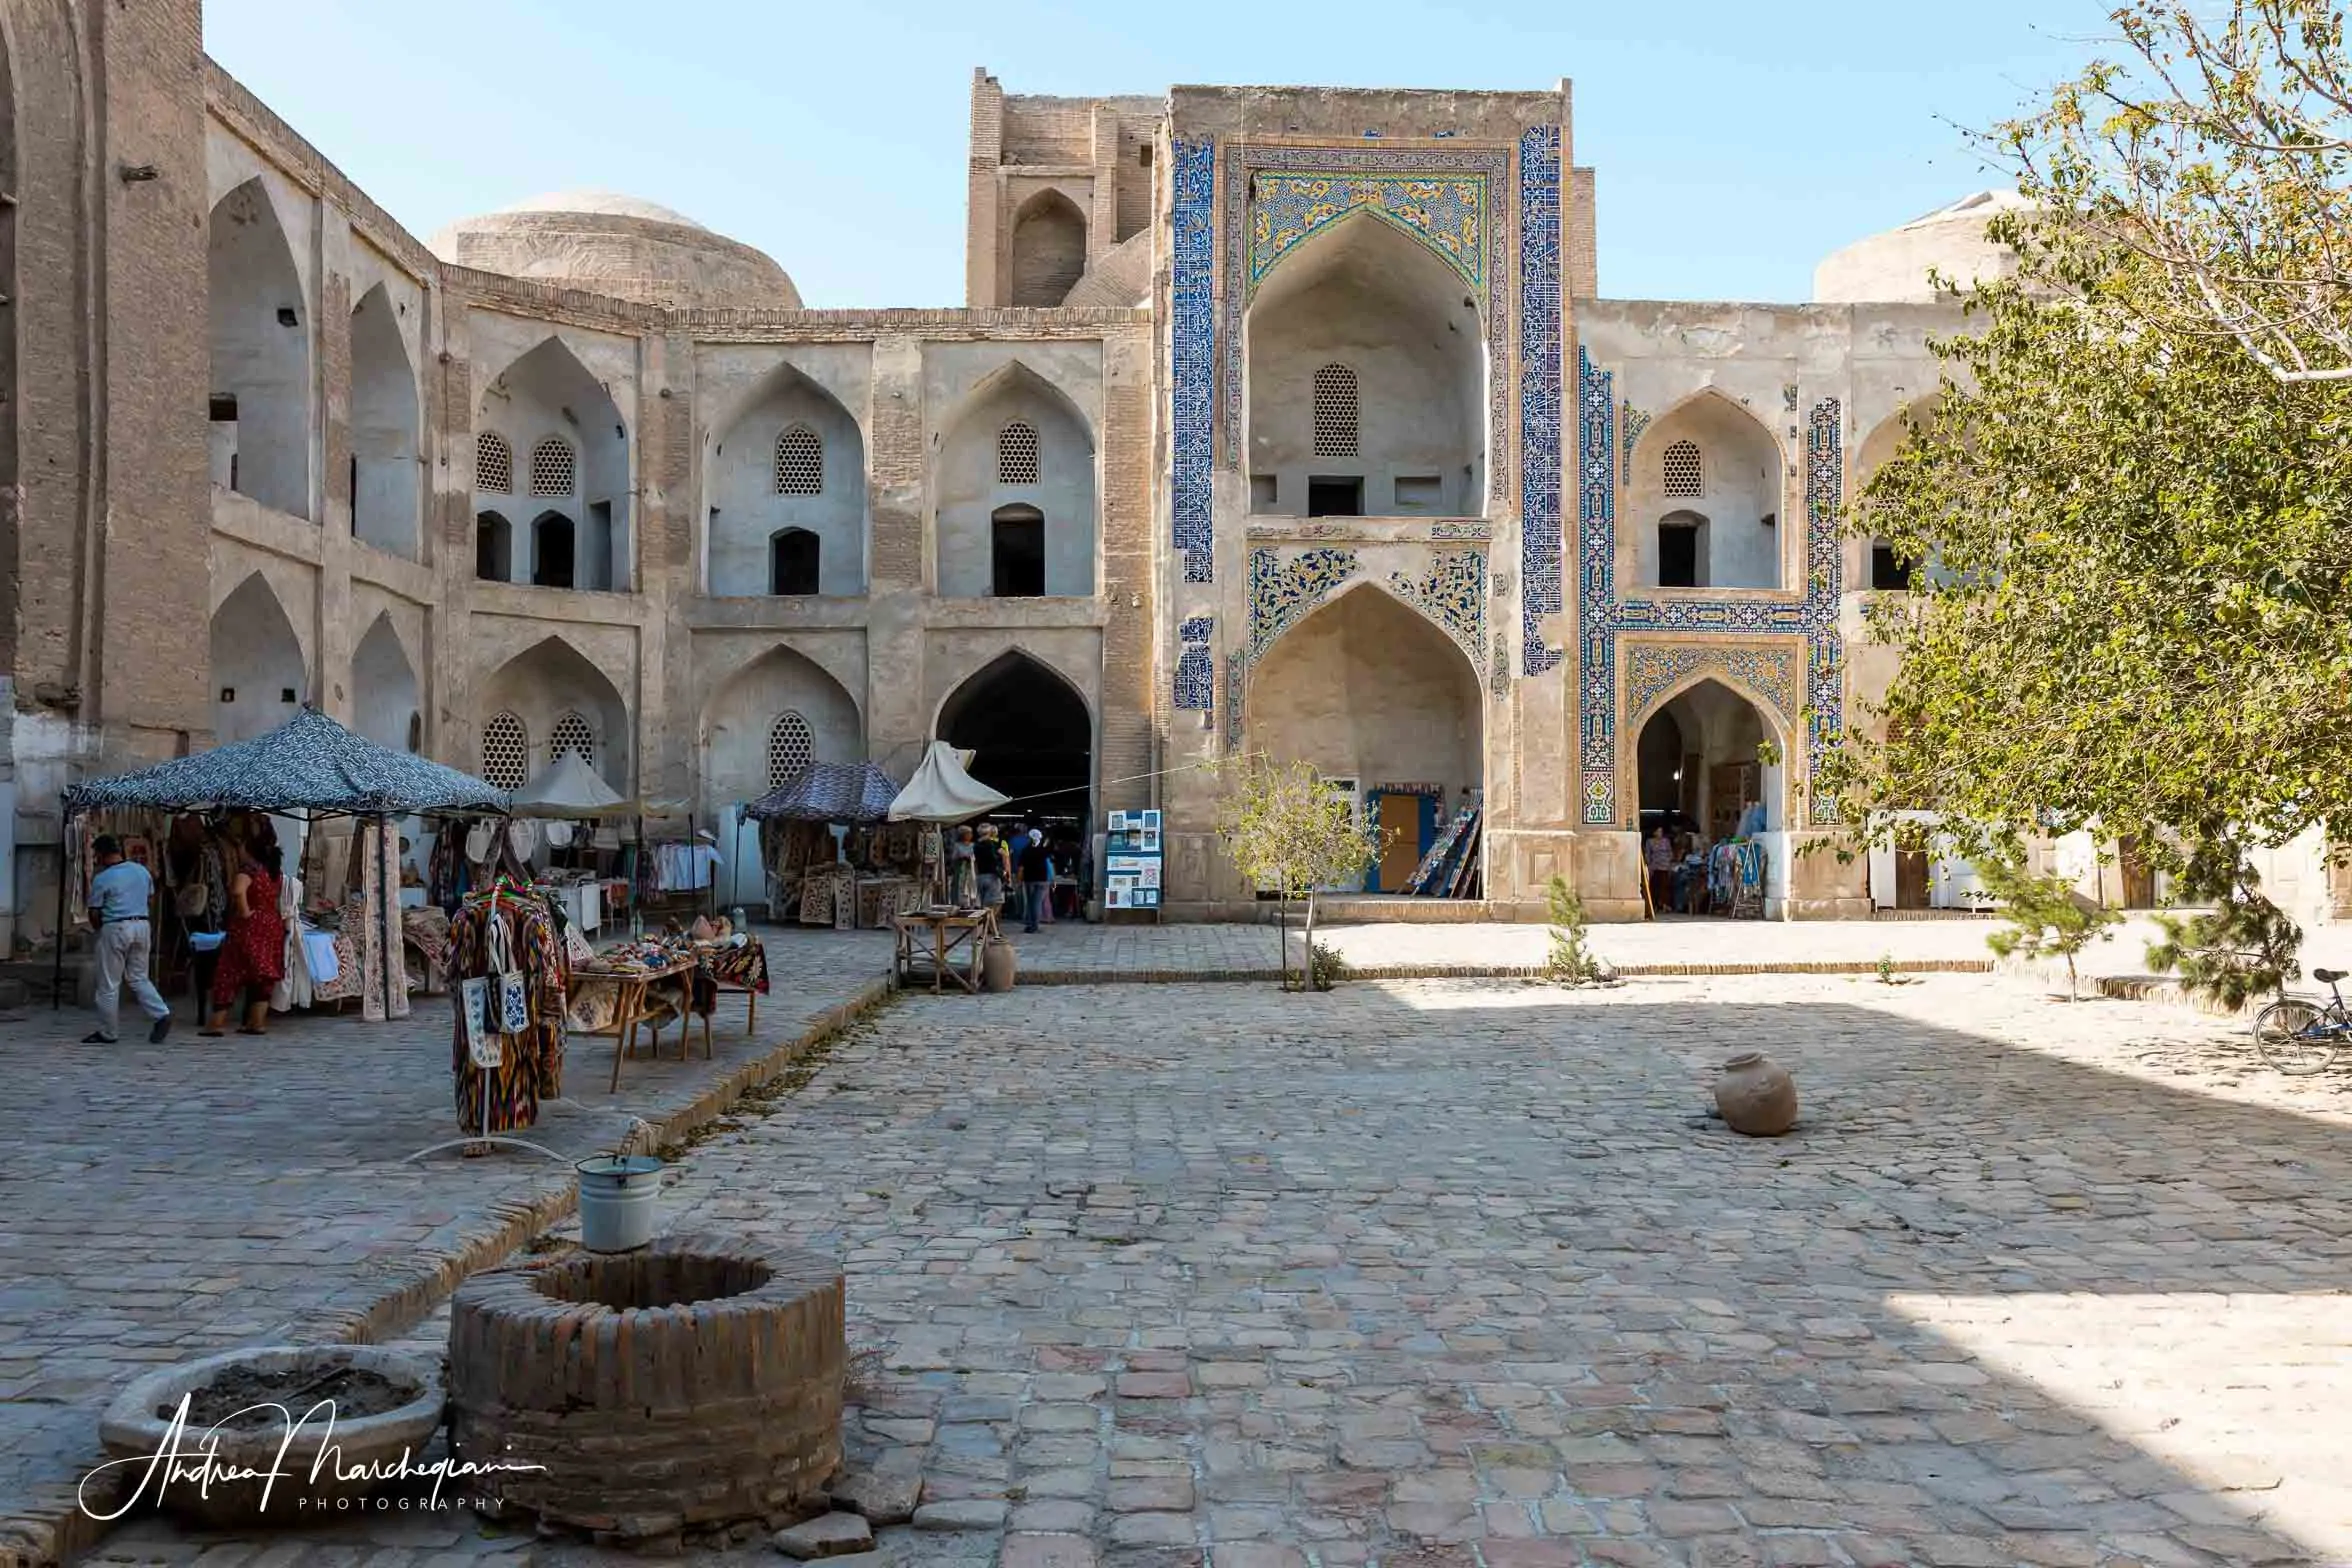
{"points": [[1046, 464], [554, 549], [1367, 689], [259, 675], [793, 458], [739, 722], [545, 395], [493, 548], [1875, 563], [549, 680], [1030, 733], [385, 487], [796, 562], [387, 704], [1362, 321], [261, 355], [1049, 249], [1707, 463], [1698, 767]]}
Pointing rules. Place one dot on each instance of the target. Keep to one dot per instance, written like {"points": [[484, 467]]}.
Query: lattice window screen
{"points": [[493, 464], [506, 752], [800, 462], [1684, 474], [1337, 418], [1016, 454], [554, 471], [572, 733], [792, 746]]}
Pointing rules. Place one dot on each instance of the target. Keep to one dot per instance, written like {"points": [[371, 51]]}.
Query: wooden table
{"points": [[633, 989], [932, 937]]}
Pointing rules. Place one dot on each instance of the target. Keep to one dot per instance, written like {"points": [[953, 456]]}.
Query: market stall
{"points": [[579, 816], [308, 771], [833, 855]]}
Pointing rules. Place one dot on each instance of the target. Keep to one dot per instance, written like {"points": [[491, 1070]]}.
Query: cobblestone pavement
{"points": [[159, 1202], [1453, 1272]]}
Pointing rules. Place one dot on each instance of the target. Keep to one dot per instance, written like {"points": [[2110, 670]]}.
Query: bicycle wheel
{"points": [[2294, 1036]]}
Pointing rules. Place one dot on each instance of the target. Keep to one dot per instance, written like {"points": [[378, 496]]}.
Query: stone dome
{"points": [[607, 243], [1892, 268], [1121, 279]]}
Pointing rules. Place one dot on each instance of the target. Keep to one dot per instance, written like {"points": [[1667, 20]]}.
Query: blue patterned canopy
{"points": [[829, 792], [308, 763]]}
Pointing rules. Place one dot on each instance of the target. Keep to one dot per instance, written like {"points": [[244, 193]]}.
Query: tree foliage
{"points": [[2046, 918], [2216, 148], [1289, 830], [2242, 947]]}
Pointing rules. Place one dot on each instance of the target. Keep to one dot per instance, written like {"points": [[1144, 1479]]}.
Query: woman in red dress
{"points": [[253, 955]]}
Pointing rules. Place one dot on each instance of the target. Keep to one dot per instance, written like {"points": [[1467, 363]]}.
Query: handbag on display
{"points": [[483, 1047]]}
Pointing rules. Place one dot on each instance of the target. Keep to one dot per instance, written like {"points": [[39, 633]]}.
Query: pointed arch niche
{"points": [[387, 703], [385, 488], [1875, 563], [1703, 504], [261, 354], [1049, 250], [741, 717], [1362, 326], [545, 682], [1697, 764], [259, 673], [972, 487], [758, 485], [548, 393], [1030, 732]]}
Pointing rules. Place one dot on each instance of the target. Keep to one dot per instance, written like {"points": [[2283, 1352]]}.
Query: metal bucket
{"points": [[619, 1195]]}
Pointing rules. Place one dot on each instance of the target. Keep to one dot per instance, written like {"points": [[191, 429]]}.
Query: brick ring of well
{"points": [[692, 1384]]}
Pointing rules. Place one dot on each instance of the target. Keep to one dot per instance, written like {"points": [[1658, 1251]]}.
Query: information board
{"points": [[1132, 860]]}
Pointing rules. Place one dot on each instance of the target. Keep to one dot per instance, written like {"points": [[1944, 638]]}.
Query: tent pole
{"points": [[57, 942]]}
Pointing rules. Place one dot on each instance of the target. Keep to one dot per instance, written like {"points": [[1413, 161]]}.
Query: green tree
{"points": [[2244, 946], [1289, 830], [2046, 917], [1570, 959]]}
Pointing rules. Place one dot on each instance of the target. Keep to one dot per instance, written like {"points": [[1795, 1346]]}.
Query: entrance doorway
{"points": [[1702, 778], [1031, 737]]}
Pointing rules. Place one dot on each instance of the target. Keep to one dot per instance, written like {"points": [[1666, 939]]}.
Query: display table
{"points": [[634, 989], [738, 968], [931, 938]]}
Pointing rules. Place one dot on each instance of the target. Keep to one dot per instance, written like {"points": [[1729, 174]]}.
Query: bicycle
{"points": [[2298, 1035]]}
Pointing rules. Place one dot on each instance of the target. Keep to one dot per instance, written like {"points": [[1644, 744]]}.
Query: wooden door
{"points": [[1400, 833], [2139, 878], [1910, 879]]}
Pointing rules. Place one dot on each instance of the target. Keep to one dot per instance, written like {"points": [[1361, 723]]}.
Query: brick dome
{"points": [[607, 243], [1892, 268]]}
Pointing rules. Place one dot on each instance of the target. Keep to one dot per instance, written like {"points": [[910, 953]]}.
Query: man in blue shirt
{"points": [[119, 896]]}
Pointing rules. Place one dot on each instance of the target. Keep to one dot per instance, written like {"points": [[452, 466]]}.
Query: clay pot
{"points": [[997, 966], [1756, 1096], [700, 931]]}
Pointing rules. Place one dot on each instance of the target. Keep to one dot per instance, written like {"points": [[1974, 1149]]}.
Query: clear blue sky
{"points": [[1737, 143]]}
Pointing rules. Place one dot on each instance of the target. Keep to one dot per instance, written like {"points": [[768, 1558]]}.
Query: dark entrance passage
{"points": [[1030, 736]]}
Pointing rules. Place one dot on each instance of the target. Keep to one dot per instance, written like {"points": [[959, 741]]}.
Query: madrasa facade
{"points": [[1275, 420]]}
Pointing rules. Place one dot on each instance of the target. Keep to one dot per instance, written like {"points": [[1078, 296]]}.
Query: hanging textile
{"points": [[507, 924]]}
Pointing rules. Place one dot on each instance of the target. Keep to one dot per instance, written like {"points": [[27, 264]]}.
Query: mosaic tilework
{"points": [[1236, 688], [1282, 593], [1458, 528], [1631, 422], [1193, 353], [1654, 670], [1540, 401], [1596, 590], [1447, 215], [1196, 667], [1243, 162], [1453, 594], [1825, 490], [1498, 672]]}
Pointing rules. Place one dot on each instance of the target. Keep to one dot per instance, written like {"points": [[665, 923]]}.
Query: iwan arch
{"points": [[1272, 419]]}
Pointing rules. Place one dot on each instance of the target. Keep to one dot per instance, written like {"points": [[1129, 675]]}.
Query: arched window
{"points": [[551, 551], [493, 464], [792, 746], [1016, 539], [572, 733], [554, 470], [493, 548], [1016, 454], [793, 559], [1682, 551], [1681, 470], [506, 752], [800, 462], [1337, 420]]}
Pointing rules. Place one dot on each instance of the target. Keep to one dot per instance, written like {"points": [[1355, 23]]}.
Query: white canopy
{"points": [[571, 788], [941, 791]]}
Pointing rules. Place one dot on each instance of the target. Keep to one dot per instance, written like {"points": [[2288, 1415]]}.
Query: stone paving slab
{"points": [[1459, 1273], [160, 1202]]}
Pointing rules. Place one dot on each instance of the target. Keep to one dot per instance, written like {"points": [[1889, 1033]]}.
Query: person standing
{"points": [[1036, 875], [119, 897], [253, 957], [962, 878], [989, 866], [1658, 856]]}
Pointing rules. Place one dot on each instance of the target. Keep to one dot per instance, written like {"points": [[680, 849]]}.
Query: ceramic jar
{"points": [[1756, 1096], [997, 965]]}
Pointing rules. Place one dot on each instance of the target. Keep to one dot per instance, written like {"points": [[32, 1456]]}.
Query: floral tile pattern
{"points": [[1196, 667], [1541, 408], [1283, 593], [1193, 353], [1632, 422], [1446, 213], [1453, 594], [1825, 493], [1596, 590], [1654, 671]]}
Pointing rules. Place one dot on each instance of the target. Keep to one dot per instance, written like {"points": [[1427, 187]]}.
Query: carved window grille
{"points": [[1016, 454], [554, 470], [792, 746], [493, 464], [1337, 416], [506, 752], [572, 733], [800, 462], [1682, 471]]}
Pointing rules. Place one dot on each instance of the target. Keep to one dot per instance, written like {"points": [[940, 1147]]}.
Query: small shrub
{"points": [[2244, 947], [1571, 960], [2045, 917], [1325, 968]]}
